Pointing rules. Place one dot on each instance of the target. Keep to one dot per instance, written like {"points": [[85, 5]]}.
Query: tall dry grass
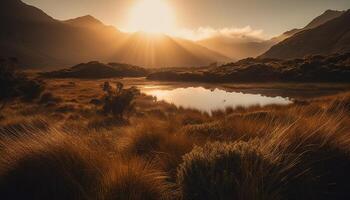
{"points": [[300, 151]]}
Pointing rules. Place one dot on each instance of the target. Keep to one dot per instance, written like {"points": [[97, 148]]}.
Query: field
{"points": [[63, 146]]}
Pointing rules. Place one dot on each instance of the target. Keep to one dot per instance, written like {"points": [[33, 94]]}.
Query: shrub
{"points": [[14, 84], [118, 101], [226, 171], [49, 98]]}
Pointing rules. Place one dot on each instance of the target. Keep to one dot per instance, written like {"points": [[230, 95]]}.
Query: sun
{"points": [[151, 16]]}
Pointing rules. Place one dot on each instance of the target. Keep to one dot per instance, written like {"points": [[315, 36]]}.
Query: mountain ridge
{"points": [[38, 40], [238, 48], [328, 38]]}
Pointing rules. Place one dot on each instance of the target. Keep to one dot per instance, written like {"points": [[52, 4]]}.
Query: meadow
{"points": [[65, 145]]}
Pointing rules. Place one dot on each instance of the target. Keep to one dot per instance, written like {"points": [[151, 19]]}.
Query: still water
{"points": [[207, 100]]}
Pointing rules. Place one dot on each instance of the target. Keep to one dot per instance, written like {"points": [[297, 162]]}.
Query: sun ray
{"points": [[152, 16]]}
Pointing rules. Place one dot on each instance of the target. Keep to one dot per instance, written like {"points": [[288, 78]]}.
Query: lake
{"points": [[210, 99]]}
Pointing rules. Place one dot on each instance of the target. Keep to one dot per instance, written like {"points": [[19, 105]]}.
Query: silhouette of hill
{"points": [[331, 68], [97, 70], [164, 51], [237, 48], [330, 37], [38, 40], [85, 21]]}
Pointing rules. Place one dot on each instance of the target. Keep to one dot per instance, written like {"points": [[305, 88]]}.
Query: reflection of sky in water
{"points": [[207, 100]]}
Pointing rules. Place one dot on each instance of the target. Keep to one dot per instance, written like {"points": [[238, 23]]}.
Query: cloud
{"points": [[231, 32]]}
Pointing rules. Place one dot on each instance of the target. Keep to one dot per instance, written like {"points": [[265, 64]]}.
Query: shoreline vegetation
{"points": [[313, 69], [332, 68]]}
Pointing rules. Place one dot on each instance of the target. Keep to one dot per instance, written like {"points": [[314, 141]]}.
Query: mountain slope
{"points": [[325, 17], [164, 51], [236, 48], [243, 47], [38, 40], [328, 38]]}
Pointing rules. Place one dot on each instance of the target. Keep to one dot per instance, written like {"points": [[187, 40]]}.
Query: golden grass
{"points": [[70, 150]]}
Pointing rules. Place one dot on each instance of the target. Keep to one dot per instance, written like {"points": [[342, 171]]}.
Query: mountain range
{"points": [[38, 40]]}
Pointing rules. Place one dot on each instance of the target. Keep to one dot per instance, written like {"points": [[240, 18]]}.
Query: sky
{"points": [[266, 18]]}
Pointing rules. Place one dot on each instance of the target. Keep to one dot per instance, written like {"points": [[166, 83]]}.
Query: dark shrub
{"points": [[96, 102], [226, 171], [48, 98], [14, 84], [118, 101]]}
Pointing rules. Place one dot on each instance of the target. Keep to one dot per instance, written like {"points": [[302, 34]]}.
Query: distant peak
{"points": [[87, 17], [86, 20], [331, 11], [328, 15]]}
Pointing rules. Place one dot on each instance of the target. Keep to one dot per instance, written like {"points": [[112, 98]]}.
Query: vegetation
{"points": [[14, 84], [74, 151], [118, 101], [97, 70], [332, 68]]}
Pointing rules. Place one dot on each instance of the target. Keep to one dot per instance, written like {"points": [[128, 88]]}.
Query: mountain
{"points": [[38, 40], [330, 68], [97, 70], [236, 48], [85, 21], [328, 38], [325, 17], [243, 47], [163, 51]]}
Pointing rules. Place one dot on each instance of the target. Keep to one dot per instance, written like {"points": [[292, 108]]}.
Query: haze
{"points": [[194, 14]]}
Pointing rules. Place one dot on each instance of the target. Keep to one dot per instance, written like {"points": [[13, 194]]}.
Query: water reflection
{"points": [[208, 100]]}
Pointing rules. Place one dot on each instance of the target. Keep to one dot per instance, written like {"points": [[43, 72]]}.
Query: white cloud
{"points": [[230, 32]]}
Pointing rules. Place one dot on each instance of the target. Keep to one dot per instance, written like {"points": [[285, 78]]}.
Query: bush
{"points": [[226, 171], [49, 98], [118, 101], [14, 84]]}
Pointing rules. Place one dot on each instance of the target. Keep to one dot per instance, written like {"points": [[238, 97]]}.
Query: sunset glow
{"points": [[152, 16]]}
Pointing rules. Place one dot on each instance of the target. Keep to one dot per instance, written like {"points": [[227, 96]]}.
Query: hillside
{"points": [[325, 17], [237, 48], [38, 40], [97, 70], [163, 51], [332, 68], [328, 38]]}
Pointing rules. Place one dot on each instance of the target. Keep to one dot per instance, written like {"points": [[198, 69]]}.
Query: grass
{"points": [[71, 150]]}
